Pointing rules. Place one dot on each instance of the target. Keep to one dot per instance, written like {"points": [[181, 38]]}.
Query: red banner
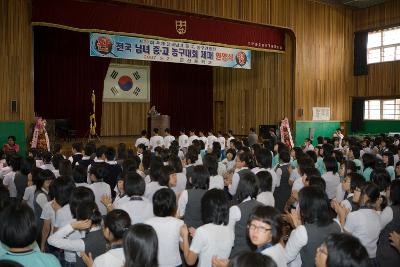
{"points": [[129, 19]]}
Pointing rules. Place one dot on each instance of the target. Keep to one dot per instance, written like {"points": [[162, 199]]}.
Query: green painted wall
{"points": [[325, 129], [16, 128], [377, 127]]}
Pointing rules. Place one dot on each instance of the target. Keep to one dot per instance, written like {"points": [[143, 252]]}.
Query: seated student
{"points": [[239, 214], [369, 164], [167, 227], [11, 147], [246, 259], [342, 250], [138, 207], [265, 196], [388, 159], [76, 153], [216, 180], [89, 221], [157, 181], [142, 139], [116, 223], [141, 246], [283, 189], [346, 167], [86, 158], [79, 175], [99, 187], [365, 222], [189, 201], [99, 160], [114, 170], [8, 181], [352, 185], [229, 161], [214, 238], [386, 254], [243, 161], [21, 176], [18, 232], [331, 176], [181, 180], [263, 161]]}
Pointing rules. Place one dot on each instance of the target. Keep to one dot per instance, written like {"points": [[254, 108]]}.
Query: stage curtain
{"points": [[65, 76], [185, 92]]}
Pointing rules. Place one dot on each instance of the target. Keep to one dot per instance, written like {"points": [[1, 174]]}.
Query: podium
{"points": [[159, 121]]}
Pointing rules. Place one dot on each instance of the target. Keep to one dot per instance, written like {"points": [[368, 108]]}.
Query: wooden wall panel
{"points": [[383, 79], [16, 60]]}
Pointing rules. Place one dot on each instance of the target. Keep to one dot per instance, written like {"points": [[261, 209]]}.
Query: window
{"points": [[382, 109], [383, 45]]}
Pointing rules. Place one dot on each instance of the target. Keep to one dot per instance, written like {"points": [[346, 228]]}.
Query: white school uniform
{"points": [[4, 171], [221, 140], [205, 141], [113, 257], [216, 181], [273, 174], [142, 140], [228, 141], [340, 193], [156, 141], [100, 189], [183, 141], [332, 181], [48, 213], [192, 138], [181, 181], [266, 198], [8, 181], [235, 182], [139, 210], [29, 196], [212, 240], [168, 233], [210, 140], [89, 167], [167, 140], [151, 188], [277, 253]]}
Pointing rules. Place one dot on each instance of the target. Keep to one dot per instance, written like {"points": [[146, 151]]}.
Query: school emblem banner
{"points": [[127, 83], [115, 46]]}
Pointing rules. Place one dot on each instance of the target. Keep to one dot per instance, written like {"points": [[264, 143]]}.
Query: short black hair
{"points": [[61, 189], [314, 206], [165, 172], [65, 168], [100, 172], [264, 179], [381, 178], [143, 133], [357, 180], [134, 185], [395, 192], [110, 153], [250, 258], [18, 228], [90, 148], [27, 165], [200, 177], [155, 130], [12, 137], [215, 207], [312, 155], [10, 263], [345, 250], [42, 176], [263, 158], [57, 158], [80, 194], [175, 162], [155, 166], [88, 211], [368, 160], [77, 146], [164, 202], [247, 187], [211, 163], [232, 151], [390, 158], [356, 151], [317, 182], [270, 216], [100, 151], [47, 157], [331, 164], [327, 150], [79, 174], [245, 157], [284, 156], [118, 222]]}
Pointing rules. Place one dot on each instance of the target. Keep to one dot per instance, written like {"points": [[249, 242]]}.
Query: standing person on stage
{"points": [[221, 140], [192, 137], [253, 137], [183, 140], [230, 137], [211, 139], [203, 138], [168, 138], [143, 139], [156, 140]]}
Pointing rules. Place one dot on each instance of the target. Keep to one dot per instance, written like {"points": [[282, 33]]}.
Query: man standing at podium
{"points": [[152, 112]]}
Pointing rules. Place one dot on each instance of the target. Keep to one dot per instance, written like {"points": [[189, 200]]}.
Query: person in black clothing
{"points": [[113, 168]]}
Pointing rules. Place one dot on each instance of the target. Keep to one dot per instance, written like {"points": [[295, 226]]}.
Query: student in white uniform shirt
{"points": [[41, 197], [364, 223], [99, 188], [116, 224], [156, 182], [181, 180], [265, 196], [167, 228], [263, 163], [331, 176], [213, 239], [8, 181], [156, 140], [97, 161], [221, 140], [203, 138], [211, 139], [143, 139], [228, 140], [192, 137], [47, 156], [216, 180], [168, 138], [183, 140], [243, 160]]}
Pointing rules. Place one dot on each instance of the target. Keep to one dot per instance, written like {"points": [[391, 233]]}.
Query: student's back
{"points": [[32, 259]]}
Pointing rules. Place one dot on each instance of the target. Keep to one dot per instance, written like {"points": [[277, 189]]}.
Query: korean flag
{"points": [[127, 83]]}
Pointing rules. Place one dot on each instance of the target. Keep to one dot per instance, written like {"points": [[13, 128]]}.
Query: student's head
{"points": [[143, 133], [18, 228], [388, 158], [61, 189], [304, 162], [167, 176], [191, 156], [79, 174], [369, 195], [155, 167], [200, 177], [284, 156], [331, 164], [211, 163], [264, 181], [247, 187], [395, 192], [98, 173], [215, 207], [90, 148], [80, 195], [263, 158], [4, 197], [230, 154], [176, 163], [246, 259], [167, 131], [14, 161], [44, 179], [327, 150], [307, 141], [110, 153], [314, 207], [368, 160], [141, 246], [265, 226], [164, 203], [76, 147], [65, 168], [352, 182], [101, 152], [116, 224], [47, 157], [243, 159], [312, 155], [342, 250], [10, 263], [134, 184], [381, 178], [57, 158], [155, 131], [88, 211], [318, 182], [11, 140], [346, 167], [26, 165], [354, 152], [320, 140]]}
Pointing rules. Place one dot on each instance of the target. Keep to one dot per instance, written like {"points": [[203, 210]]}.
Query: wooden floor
{"points": [[108, 141]]}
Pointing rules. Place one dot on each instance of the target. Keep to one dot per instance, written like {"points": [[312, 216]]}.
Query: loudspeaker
{"points": [[13, 105], [263, 130]]}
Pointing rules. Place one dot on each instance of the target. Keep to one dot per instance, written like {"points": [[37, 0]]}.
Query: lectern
{"points": [[158, 121]]}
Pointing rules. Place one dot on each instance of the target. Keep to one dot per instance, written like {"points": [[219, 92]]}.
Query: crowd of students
{"points": [[204, 201]]}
